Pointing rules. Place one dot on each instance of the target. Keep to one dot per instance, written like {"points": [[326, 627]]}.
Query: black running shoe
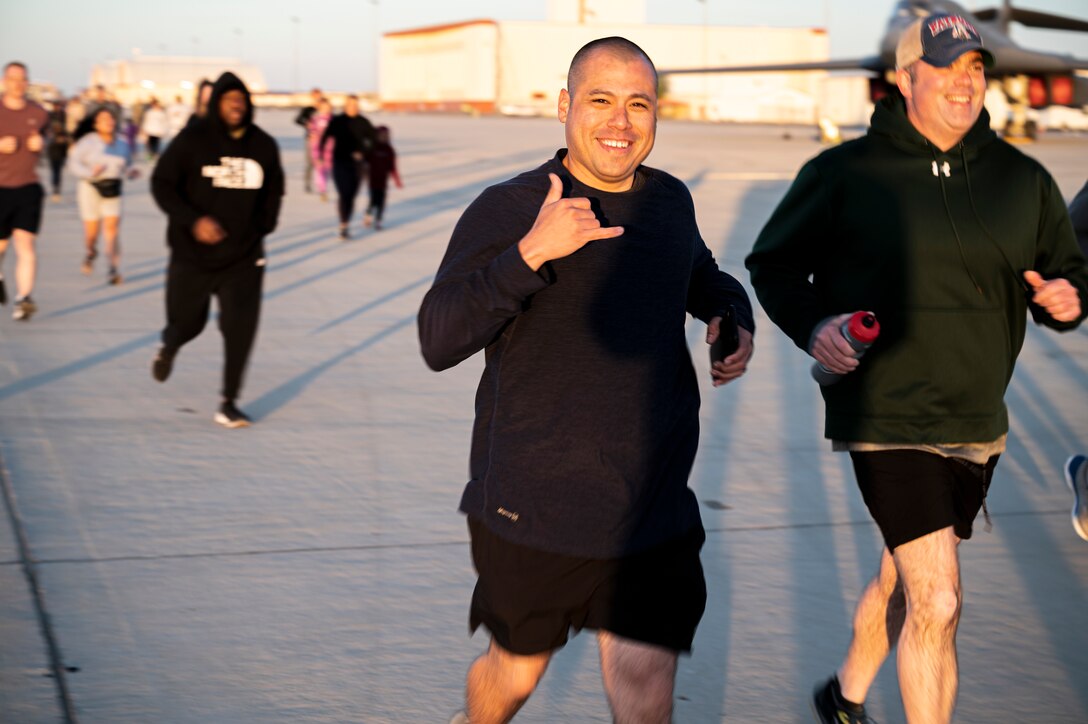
{"points": [[3, 292], [163, 364], [830, 708], [113, 278], [230, 416]]}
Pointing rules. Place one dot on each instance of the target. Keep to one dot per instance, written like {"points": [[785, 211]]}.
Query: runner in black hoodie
{"points": [[220, 183]]}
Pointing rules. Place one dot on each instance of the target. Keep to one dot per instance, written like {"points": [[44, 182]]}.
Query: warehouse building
{"points": [[518, 67]]}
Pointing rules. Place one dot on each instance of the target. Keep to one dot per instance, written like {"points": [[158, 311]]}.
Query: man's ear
{"points": [[564, 105], [903, 80]]}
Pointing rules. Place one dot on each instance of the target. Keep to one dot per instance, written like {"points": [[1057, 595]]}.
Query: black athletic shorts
{"points": [[530, 599], [21, 208], [911, 493]]}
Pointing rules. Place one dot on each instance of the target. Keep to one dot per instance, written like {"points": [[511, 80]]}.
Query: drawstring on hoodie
{"points": [[948, 212]]}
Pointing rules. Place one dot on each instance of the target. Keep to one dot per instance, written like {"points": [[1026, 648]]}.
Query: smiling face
{"points": [[944, 103], [15, 81], [611, 119], [104, 123], [232, 108]]}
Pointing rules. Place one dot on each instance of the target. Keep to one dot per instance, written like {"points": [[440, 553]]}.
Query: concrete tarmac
{"points": [[314, 568]]}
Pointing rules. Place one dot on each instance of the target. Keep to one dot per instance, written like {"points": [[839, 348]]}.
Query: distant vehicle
{"points": [[1028, 78]]}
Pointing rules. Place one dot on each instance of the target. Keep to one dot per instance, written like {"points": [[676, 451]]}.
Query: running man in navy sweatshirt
{"points": [[220, 183], [576, 279]]}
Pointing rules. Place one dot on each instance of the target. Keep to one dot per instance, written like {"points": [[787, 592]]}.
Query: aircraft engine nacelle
{"points": [[879, 88], [1057, 90]]}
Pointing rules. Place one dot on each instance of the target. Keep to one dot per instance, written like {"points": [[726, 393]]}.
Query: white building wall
{"points": [[534, 57], [435, 67], [520, 67], [166, 77]]}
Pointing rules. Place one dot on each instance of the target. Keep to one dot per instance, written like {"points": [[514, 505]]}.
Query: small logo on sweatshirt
{"points": [[235, 173], [508, 514]]}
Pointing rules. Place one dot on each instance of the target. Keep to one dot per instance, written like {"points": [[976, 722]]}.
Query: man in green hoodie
{"points": [[949, 235]]}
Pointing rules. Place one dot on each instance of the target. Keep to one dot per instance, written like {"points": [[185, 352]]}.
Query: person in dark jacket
{"points": [[576, 279], [57, 150], [303, 119], [381, 166], [352, 137], [221, 184], [949, 235]]}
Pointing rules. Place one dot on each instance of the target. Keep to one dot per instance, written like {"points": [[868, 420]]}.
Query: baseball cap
{"points": [[938, 40]]}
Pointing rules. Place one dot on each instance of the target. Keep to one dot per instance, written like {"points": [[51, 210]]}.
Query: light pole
{"points": [[377, 48], [294, 74], [706, 61]]}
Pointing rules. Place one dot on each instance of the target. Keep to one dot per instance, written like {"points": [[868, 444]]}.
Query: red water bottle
{"points": [[860, 330]]}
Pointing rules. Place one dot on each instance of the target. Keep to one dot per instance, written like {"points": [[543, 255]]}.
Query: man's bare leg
{"points": [[500, 682], [26, 262], [639, 679], [928, 672], [877, 623]]}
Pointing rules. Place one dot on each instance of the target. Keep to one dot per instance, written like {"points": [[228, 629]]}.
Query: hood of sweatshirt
{"points": [[227, 82], [890, 121]]}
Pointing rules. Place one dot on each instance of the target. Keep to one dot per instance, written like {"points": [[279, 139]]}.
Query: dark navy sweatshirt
{"points": [[587, 411]]}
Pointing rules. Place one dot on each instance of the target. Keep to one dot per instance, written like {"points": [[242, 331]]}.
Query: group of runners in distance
{"points": [[219, 181]]}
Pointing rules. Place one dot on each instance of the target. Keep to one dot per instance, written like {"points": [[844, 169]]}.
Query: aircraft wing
{"points": [[871, 63], [1035, 19]]}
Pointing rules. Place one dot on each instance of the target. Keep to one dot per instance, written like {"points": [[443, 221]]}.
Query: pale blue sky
{"points": [[61, 39]]}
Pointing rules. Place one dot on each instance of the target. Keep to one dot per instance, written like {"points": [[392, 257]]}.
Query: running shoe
{"points": [[230, 416], [3, 292], [368, 219], [460, 718], [830, 708], [163, 364], [113, 278], [1076, 474], [344, 235], [88, 262], [24, 309]]}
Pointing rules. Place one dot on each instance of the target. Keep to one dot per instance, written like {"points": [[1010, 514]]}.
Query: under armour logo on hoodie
{"points": [[946, 169], [235, 173]]}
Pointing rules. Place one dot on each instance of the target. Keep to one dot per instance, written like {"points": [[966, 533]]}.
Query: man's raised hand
{"points": [[562, 227]]}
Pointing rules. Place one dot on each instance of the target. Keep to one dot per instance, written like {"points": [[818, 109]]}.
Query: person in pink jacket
{"points": [[322, 157]]}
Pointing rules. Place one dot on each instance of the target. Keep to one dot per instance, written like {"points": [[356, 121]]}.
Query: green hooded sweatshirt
{"points": [[935, 244]]}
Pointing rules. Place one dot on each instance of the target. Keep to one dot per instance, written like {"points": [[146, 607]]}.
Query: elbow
{"points": [[435, 354], [436, 362]]}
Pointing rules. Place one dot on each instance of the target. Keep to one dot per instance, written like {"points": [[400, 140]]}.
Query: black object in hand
{"points": [[728, 337]]}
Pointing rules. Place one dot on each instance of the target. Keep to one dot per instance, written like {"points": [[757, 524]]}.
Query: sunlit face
{"points": [[944, 103], [324, 107], [611, 120], [351, 106], [104, 123], [15, 81], [232, 108]]}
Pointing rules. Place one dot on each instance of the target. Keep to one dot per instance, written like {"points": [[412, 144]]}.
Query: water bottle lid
{"points": [[863, 327]]}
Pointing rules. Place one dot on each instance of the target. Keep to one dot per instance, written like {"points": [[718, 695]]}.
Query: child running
{"points": [[381, 164]]}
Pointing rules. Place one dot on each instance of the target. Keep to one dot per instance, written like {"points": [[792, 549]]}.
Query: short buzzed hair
{"points": [[617, 46], [16, 64]]}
